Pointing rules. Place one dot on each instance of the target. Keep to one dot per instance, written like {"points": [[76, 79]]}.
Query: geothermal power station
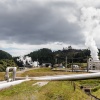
{"points": [[93, 64], [89, 22]]}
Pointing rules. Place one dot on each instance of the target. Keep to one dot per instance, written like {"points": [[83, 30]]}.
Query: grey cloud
{"points": [[33, 23]]}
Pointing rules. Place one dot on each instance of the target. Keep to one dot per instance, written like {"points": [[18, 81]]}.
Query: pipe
{"points": [[8, 84], [67, 77], [51, 78], [46, 78], [5, 84], [14, 73], [7, 73]]}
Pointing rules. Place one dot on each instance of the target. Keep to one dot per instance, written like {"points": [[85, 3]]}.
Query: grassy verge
{"points": [[94, 84], [2, 74], [90, 83], [54, 90], [44, 72], [23, 91], [61, 90], [96, 91]]}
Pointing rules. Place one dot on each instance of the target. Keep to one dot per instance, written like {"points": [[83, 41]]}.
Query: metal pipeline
{"points": [[5, 84], [68, 77], [7, 73], [46, 78], [56, 77], [51, 78], [19, 80]]}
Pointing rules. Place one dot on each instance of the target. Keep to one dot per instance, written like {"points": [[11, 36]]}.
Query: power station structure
{"points": [[93, 64]]}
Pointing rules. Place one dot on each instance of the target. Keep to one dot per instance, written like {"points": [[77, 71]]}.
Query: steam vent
{"points": [[93, 64]]}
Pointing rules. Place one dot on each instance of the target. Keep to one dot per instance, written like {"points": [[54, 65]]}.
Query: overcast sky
{"points": [[28, 25]]}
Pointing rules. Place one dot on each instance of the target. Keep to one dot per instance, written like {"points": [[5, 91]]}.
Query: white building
{"points": [[35, 64], [93, 64]]}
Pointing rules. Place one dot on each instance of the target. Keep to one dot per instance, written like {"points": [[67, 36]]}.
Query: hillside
{"points": [[54, 90], [46, 55], [4, 55], [5, 60]]}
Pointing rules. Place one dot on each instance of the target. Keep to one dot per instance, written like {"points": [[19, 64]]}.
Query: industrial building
{"points": [[93, 64]]}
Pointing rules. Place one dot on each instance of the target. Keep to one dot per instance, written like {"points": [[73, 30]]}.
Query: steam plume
{"points": [[90, 21], [27, 60], [24, 59]]}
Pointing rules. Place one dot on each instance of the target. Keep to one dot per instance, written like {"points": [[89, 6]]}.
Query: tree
{"points": [[69, 47], [44, 55], [5, 55]]}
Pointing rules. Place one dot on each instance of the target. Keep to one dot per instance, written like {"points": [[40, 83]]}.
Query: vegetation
{"points": [[54, 90], [96, 91], [46, 55], [5, 55], [4, 63], [93, 84], [5, 60], [44, 72], [90, 83], [2, 74]]}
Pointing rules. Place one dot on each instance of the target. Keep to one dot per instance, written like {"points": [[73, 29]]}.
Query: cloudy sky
{"points": [[28, 25]]}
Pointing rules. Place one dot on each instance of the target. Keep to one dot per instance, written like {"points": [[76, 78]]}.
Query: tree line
{"points": [[46, 55], [6, 60]]}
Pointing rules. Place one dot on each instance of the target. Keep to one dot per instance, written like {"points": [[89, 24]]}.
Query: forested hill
{"points": [[48, 56], [5, 55], [6, 60]]}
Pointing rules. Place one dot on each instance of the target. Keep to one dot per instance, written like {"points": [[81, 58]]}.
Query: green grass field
{"points": [[44, 72], [2, 74], [54, 90]]}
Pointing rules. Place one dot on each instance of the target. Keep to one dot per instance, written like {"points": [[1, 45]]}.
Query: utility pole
{"points": [[55, 60], [72, 64], [37, 62], [66, 62], [87, 64]]}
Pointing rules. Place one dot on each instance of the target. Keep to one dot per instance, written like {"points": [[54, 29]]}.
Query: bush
{"points": [[6, 63]]}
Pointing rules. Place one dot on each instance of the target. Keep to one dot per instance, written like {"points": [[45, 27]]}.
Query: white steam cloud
{"points": [[27, 60], [90, 21]]}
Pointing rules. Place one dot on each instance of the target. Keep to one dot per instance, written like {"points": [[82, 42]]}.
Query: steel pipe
{"points": [[68, 77], [7, 73], [8, 84]]}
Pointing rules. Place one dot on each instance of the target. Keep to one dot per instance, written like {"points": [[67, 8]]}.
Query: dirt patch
{"points": [[40, 83]]}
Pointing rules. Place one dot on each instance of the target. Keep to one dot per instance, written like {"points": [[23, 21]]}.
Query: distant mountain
{"points": [[4, 55]]}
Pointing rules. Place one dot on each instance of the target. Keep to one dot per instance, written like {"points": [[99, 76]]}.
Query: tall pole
{"points": [[72, 64], [55, 60], [87, 64], [66, 62], [37, 62]]}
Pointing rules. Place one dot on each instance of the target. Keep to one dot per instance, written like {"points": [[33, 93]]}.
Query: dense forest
{"points": [[46, 55], [5, 55], [6, 60]]}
